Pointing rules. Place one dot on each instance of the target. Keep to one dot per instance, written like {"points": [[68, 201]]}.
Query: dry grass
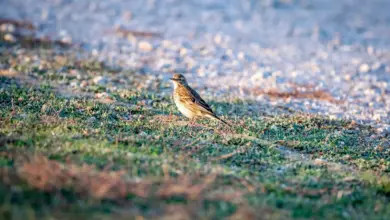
{"points": [[298, 91], [19, 24], [30, 40], [94, 184], [133, 33], [312, 94], [48, 175], [8, 73], [185, 186]]}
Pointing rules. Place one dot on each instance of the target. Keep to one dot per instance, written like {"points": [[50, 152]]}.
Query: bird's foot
{"points": [[193, 123]]}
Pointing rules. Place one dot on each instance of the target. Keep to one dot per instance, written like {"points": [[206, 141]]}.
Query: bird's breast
{"points": [[183, 108]]}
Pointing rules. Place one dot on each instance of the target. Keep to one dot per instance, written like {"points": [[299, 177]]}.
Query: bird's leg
{"points": [[192, 120]]}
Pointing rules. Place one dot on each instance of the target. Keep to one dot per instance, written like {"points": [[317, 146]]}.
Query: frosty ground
{"points": [[239, 48], [88, 127]]}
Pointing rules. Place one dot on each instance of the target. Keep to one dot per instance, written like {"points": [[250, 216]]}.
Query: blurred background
{"points": [[334, 54]]}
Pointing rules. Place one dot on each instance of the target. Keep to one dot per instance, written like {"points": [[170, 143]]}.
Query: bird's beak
{"points": [[173, 79]]}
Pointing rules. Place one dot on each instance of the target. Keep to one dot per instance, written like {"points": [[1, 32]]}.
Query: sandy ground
{"points": [[340, 48]]}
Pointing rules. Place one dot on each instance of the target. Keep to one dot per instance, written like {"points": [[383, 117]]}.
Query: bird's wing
{"points": [[192, 98]]}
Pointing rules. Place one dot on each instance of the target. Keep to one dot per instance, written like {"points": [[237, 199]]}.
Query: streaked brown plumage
{"points": [[189, 102]]}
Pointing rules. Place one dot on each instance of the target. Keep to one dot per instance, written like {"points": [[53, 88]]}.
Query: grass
{"points": [[122, 150]]}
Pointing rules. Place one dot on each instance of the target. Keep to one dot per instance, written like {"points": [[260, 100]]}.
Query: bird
{"points": [[189, 102]]}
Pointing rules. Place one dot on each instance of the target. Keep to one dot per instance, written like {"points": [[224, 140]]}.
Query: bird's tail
{"points": [[219, 119]]}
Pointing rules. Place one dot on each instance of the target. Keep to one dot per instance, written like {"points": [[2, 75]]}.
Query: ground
{"points": [[99, 152], [88, 129]]}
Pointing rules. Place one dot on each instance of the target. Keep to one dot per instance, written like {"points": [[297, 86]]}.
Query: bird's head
{"points": [[178, 79]]}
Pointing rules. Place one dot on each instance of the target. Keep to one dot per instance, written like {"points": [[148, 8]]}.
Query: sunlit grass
{"points": [[56, 142]]}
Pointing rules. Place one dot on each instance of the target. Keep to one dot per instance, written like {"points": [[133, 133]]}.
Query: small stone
{"points": [[384, 130], [131, 38], [364, 68], [370, 50], [241, 56], [166, 44], [9, 37], [349, 178], [145, 46], [7, 28], [100, 80], [319, 162], [218, 39], [347, 157], [67, 39], [376, 117], [74, 84], [102, 95], [84, 84], [3, 28], [378, 148], [257, 76], [183, 52]]}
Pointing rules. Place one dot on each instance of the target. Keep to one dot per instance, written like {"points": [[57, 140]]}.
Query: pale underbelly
{"points": [[185, 111]]}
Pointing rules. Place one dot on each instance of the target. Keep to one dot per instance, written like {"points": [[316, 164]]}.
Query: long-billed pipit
{"points": [[189, 102]]}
